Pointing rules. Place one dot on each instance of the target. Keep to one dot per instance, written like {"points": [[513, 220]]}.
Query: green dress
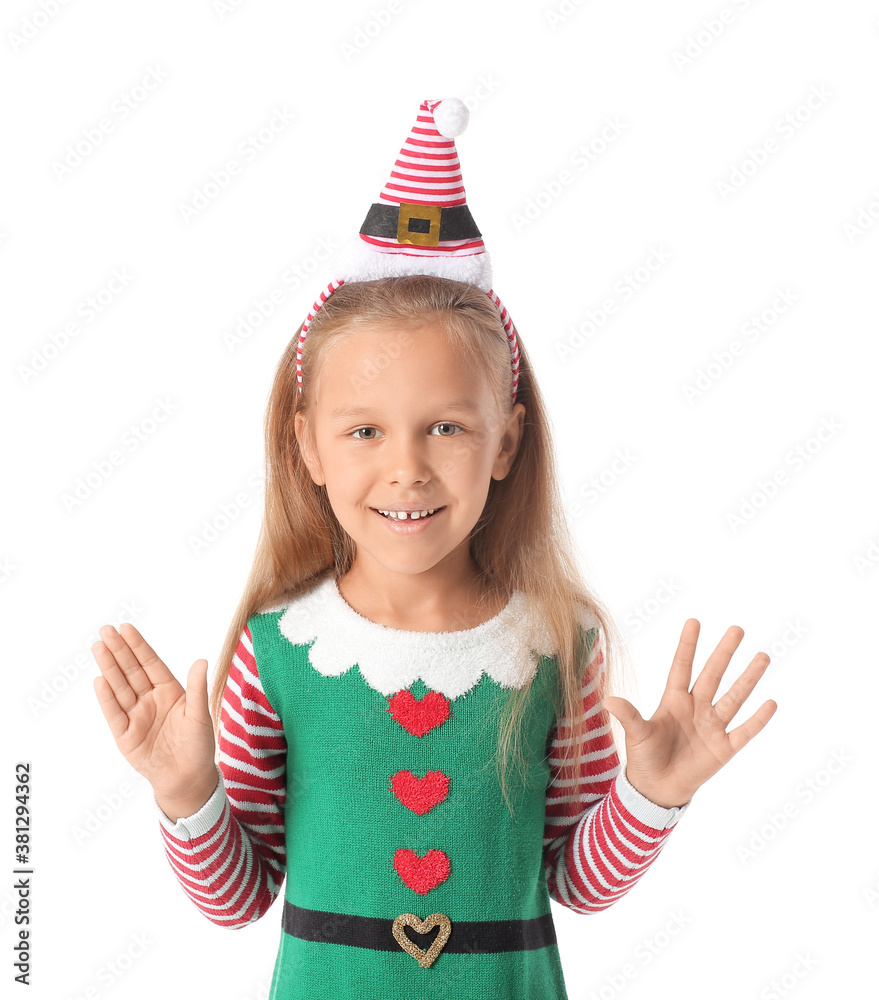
{"points": [[394, 811]]}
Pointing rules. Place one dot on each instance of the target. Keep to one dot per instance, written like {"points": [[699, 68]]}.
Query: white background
{"points": [[762, 872]]}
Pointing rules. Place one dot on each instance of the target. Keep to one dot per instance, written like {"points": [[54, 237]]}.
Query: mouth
{"points": [[409, 519]]}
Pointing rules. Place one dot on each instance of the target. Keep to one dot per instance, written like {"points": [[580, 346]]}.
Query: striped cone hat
{"points": [[420, 223]]}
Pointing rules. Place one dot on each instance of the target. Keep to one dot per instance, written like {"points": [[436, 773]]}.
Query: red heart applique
{"points": [[419, 717], [420, 794], [421, 874]]}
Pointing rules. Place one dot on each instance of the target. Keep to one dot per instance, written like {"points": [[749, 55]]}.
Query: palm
{"points": [[163, 730], [685, 741], [158, 728]]}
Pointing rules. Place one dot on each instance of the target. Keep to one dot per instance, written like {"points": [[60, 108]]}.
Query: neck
{"points": [[436, 600]]}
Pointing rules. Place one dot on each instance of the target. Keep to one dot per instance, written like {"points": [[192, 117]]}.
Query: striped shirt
{"points": [[600, 833]]}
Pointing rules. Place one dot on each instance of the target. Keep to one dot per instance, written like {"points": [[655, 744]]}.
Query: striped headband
{"points": [[421, 223]]}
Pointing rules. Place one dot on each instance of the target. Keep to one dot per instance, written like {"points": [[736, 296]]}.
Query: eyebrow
{"points": [[365, 411]]}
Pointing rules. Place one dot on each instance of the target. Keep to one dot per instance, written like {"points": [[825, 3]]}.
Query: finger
{"points": [[748, 730], [629, 717], [114, 675], [728, 706], [116, 718], [197, 707], [154, 667], [708, 680], [124, 671], [136, 658], [682, 665]]}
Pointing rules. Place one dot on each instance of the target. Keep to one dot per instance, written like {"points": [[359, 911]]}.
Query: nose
{"points": [[406, 459]]}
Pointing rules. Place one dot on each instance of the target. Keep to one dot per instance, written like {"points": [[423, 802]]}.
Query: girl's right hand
{"points": [[162, 730]]}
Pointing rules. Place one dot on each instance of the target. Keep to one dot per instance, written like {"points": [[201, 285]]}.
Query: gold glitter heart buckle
{"points": [[424, 958]]}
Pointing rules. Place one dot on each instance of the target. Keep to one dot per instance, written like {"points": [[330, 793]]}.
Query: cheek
{"points": [[469, 475], [344, 469], [343, 479]]}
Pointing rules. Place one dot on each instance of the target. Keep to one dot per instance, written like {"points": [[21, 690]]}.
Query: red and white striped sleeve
{"points": [[230, 856], [601, 834]]}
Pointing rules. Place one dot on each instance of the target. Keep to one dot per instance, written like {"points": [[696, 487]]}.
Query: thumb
{"points": [[628, 717], [197, 707]]}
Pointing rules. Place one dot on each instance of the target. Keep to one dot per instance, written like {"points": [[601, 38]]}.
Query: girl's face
{"points": [[398, 421]]}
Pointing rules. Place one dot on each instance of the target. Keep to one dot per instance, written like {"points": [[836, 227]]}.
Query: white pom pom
{"points": [[451, 116]]}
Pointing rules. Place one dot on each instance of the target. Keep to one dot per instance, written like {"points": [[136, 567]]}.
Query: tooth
{"points": [[408, 515]]}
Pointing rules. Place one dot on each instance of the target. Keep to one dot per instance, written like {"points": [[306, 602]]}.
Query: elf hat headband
{"points": [[421, 223]]}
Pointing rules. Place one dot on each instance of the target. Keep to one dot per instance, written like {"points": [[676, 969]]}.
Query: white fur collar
{"points": [[392, 659], [356, 260]]}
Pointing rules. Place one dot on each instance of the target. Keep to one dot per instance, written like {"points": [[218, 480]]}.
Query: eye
{"points": [[356, 432], [359, 429], [445, 424]]}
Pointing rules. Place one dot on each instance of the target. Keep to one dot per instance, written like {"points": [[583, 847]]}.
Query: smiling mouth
{"points": [[409, 519]]}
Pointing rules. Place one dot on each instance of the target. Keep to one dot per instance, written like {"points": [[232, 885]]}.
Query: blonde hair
{"points": [[521, 540]]}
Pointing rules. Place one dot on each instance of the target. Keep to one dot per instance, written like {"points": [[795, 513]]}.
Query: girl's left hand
{"points": [[685, 741]]}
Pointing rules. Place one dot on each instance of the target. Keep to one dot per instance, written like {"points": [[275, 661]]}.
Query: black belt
{"points": [[425, 225], [471, 936]]}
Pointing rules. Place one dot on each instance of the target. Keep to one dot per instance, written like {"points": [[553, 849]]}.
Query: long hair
{"points": [[521, 541]]}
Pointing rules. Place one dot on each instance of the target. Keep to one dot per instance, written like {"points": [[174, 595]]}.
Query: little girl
{"points": [[413, 621]]}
